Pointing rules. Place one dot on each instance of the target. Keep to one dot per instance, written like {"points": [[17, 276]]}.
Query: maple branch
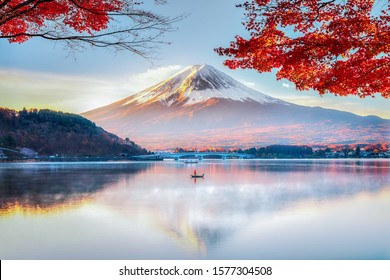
{"points": [[72, 24], [3, 3], [94, 11], [111, 13], [14, 13], [387, 62], [324, 4], [109, 39]]}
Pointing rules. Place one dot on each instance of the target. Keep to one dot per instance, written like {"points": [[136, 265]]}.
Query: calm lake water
{"points": [[242, 209]]}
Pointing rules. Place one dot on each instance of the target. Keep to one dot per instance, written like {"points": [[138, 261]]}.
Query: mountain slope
{"points": [[49, 132], [196, 84], [201, 106]]}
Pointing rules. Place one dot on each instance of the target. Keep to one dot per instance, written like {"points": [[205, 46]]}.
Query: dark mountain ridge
{"points": [[50, 132]]}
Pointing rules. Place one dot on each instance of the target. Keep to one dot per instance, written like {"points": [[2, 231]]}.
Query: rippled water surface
{"points": [[242, 209]]}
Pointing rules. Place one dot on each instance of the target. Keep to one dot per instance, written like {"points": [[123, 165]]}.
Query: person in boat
{"points": [[194, 172]]}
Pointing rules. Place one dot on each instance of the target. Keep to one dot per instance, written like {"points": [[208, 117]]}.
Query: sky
{"points": [[43, 74]]}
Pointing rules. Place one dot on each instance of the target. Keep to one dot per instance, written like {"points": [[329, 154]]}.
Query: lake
{"points": [[242, 209]]}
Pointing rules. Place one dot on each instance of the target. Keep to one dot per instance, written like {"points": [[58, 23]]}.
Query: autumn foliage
{"points": [[331, 46], [121, 24]]}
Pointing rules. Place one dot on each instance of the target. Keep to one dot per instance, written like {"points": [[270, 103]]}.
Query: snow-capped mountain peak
{"points": [[203, 107], [196, 84]]}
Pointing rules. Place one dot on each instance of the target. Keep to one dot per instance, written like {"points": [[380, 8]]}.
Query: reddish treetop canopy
{"points": [[121, 24], [20, 18], [331, 46]]}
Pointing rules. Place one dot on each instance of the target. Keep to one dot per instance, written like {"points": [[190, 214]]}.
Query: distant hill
{"points": [[49, 133]]}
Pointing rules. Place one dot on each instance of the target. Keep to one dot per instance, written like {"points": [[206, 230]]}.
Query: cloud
{"points": [[374, 106], [286, 85], [70, 93], [247, 83], [153, 76]]}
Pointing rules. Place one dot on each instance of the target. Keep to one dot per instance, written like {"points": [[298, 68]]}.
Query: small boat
{"points": [[197, 176], [191, 161]]}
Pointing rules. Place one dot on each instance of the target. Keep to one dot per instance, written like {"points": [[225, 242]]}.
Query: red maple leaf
{"points": [[331, 46]]}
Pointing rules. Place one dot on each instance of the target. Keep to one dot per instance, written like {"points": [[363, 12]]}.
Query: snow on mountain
{"points": [[196, 84], [203, 107]]}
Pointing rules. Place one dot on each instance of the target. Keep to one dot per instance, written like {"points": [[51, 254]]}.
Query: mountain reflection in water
{"points": [[158, 201]]}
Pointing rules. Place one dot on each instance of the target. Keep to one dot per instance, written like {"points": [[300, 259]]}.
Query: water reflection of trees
{"points": [[49, 185]]}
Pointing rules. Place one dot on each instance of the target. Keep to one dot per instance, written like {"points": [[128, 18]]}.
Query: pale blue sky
{"points": [[40, 73]]}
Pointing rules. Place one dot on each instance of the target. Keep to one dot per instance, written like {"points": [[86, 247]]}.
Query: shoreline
{"points": [[121, 160]]}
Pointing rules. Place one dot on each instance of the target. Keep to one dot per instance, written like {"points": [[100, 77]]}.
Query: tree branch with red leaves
{"points": [[333, 46], [117, 24]]}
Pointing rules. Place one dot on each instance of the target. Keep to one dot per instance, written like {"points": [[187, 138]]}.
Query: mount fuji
{"points": [[203, 107]]}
